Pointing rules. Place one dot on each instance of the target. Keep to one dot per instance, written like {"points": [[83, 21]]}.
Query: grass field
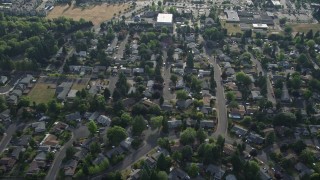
{"points": [[95, 13], [305, 27], [41, 93], [232, 28], [79, 86]]}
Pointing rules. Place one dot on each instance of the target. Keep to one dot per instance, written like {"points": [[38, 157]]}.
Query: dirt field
{"points": [[42, 93], [305, 27], [95, 13]]}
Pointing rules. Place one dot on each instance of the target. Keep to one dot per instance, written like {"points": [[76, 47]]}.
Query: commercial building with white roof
{"points": [[164, 20]]}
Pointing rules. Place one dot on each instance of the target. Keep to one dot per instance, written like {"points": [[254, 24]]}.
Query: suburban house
{"points": [[62, 90], [174, 124], [39, 127], [104, 120], [215, 171]]}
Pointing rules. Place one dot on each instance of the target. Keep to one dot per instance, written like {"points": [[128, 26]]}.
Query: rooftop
{"points": [[164, 18]]}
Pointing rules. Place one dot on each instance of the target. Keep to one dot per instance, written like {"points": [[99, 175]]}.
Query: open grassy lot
{"points": [[97, 13], [42, 93], [305, 27], [80, 84], [232, 28]]}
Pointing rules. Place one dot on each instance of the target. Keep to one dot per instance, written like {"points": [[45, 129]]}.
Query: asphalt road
{"points": [[118, 54], [166, 74], [270, 94], [222, 126], [7, 137], [81, 132], [70, 53], [150, 143]]}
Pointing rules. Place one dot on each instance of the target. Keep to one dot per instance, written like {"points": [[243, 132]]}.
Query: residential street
{"points": [[166, 74], [222, 125], [7, 136], [81, 132], [149, 144], [270, 94]]}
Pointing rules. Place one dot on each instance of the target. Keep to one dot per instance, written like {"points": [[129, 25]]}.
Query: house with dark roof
{"points": [[174, 124], [135, 174], [16, 152], [99, 159], [62, 90], [35, 167], [76, 116], [7, 163], [303, 169], [104, 120], [5, 115], [207, 124], [39, 126], [215, 171], [239, 131], [70, 167], [24, 140], [255, 138], [184, 104], [177, 173], [3, 80], [115, 152]]}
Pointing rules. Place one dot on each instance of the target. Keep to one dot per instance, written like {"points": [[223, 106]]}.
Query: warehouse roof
{"points": [[164, 18]]}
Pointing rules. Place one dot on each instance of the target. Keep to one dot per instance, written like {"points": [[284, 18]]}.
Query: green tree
{"points": [[92, 127], [251, 170], [138, 125], [270, 138], [230, 96], [307, 156], [174, 78], [50, 156], [162, 175], [190, 63], [243, 79], [3, 104], [156, 122], [106, 94], [188, 136], [201, 135], [116, 134], [70, 152], [182, 94], [187, 152], [193, 170], [162, 163], [164, 143]]}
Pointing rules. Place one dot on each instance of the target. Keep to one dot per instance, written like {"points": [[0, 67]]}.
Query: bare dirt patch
{"points": [[96, 13]]}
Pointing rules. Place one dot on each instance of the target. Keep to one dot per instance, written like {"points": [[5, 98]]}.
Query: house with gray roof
{"points": [[104, 120], [239, 131], [178, 173], [207, 124], [62, 90], [215, 171], [39, 126], [3, 80], [76, 116], [174, 124]]}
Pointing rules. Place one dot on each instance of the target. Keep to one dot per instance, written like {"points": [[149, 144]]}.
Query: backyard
{"points": [[42, 93]]}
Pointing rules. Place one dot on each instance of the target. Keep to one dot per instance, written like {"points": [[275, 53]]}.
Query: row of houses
{"points": [[23, 87], [250, 137]]}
